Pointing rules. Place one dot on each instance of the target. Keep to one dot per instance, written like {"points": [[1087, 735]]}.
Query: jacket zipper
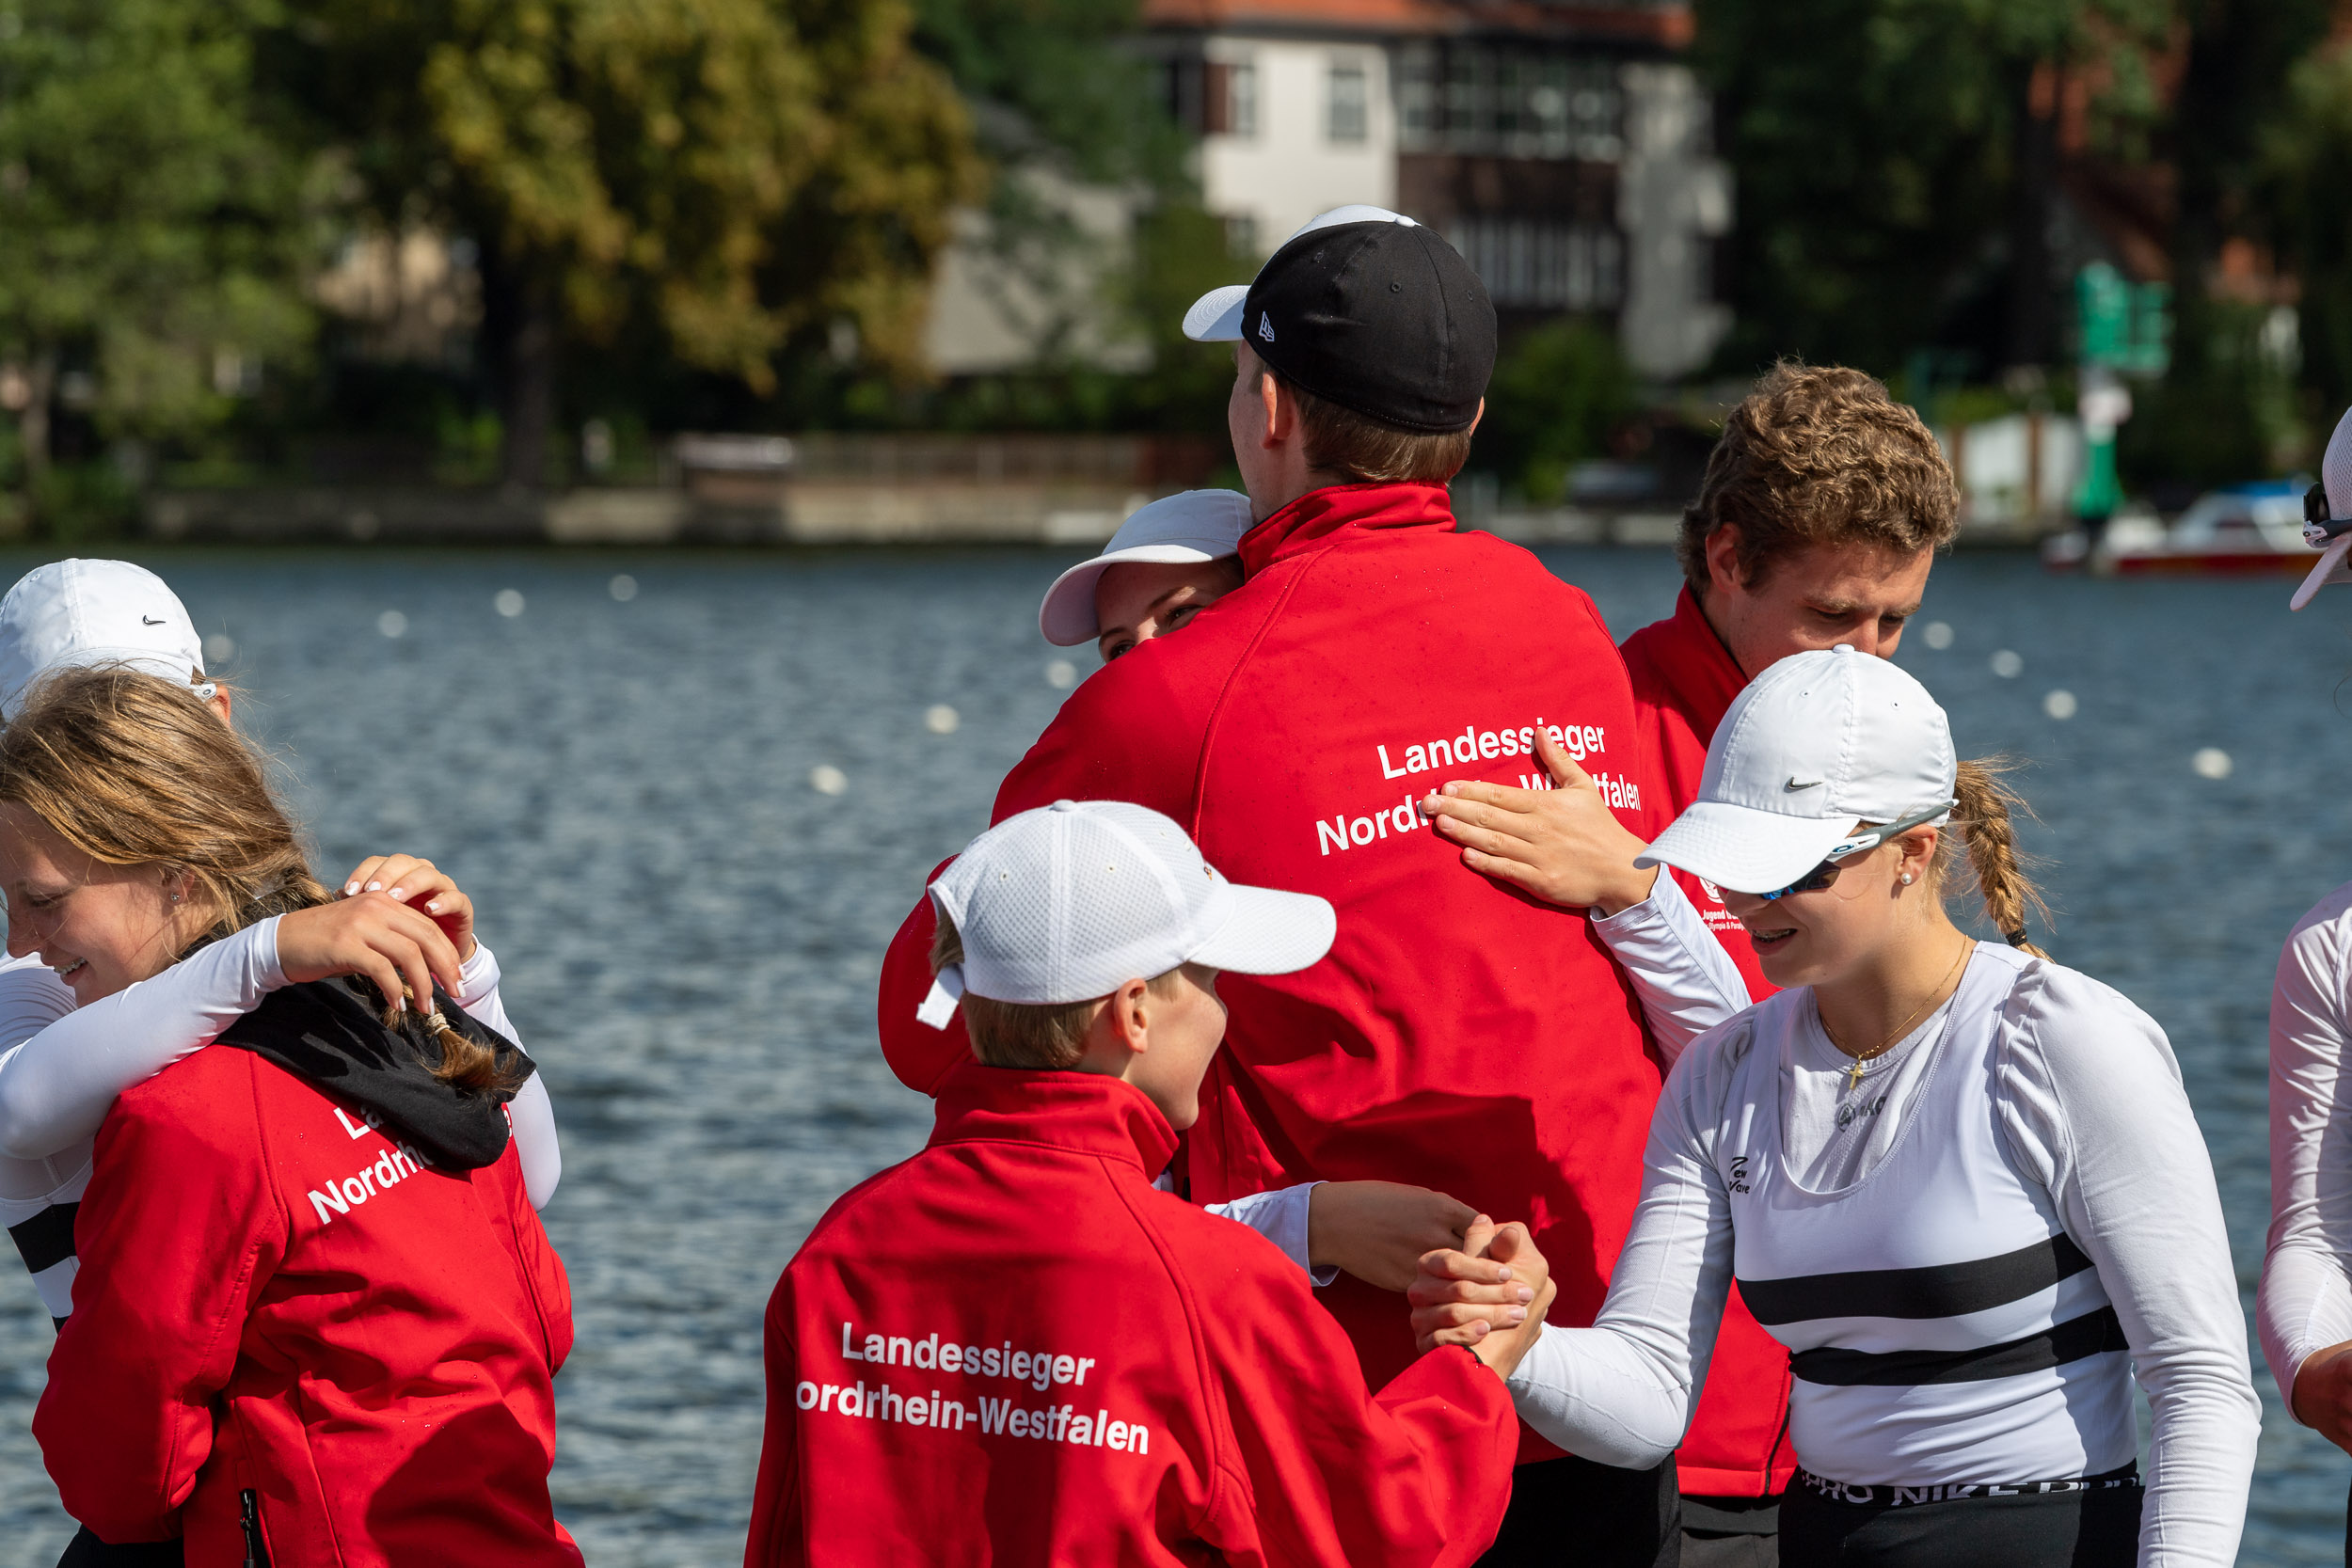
{"points": [[256, 1553]]}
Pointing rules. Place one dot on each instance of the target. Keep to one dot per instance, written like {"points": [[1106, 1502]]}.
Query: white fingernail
{"points": [[373, 887], [394, 894], [350, 888]]}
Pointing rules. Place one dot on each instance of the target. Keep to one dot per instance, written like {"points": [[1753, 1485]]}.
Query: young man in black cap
{"points": [[1460, 1036]]}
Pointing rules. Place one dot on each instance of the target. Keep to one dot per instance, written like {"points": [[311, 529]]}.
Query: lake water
{"points": [[690, 931]]}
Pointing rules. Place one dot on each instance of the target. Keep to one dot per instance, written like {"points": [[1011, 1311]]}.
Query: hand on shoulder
{"points": [[1564, 844]]}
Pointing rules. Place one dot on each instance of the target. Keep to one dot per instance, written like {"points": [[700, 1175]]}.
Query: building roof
{"points": [[1666, 24]]}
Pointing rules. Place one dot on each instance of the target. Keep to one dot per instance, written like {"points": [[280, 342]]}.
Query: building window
{"points": [[1482, 99], [1534, 264], [1241, 236], [1229, 98], [1347, 115]]}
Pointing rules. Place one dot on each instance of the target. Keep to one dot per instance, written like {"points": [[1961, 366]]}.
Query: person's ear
{"points": [[1475, 418], [1281, 409], [1129, 1012], [1917, 848], [1722, 553], [220, 703]]}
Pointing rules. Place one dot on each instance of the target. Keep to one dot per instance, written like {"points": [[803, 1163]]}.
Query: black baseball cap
{"points": [[1368, 310]]}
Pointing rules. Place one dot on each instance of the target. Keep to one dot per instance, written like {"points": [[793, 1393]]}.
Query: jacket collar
{"points": [[1318, 514], [1703, 676], [1083, 1112]]}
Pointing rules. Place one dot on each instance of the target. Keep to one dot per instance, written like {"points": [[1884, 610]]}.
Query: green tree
{"points": [[2307, 168], [1895, 158], [153, 235], [746, 176], [1559, 394]]}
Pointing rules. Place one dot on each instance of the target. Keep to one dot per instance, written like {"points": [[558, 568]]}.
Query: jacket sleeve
{"points": [[1096, 748], [178, 1229], [1324, 1471], [776, 1538]]}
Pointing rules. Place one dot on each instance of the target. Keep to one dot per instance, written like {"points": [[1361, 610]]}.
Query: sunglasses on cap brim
{"points": [[1871, 838], [2318, 528]]}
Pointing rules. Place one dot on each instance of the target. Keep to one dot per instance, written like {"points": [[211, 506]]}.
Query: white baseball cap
{"points": [[82, 613], [1190, 526], [1216, 316], [2335, 477], [1069, 901], [1817, 743]]}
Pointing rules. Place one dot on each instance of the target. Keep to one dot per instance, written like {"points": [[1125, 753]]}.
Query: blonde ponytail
{"points": [[1983, 822]]}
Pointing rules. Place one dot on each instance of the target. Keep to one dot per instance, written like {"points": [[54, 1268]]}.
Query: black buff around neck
{"points": [[328, 1033]]}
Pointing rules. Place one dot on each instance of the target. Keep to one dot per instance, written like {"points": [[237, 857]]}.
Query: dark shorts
{"points": [[1574, 1513], [2095, 1525], [87, 1551]]}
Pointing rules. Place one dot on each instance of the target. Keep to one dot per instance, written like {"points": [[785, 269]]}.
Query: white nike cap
{"points": [[1216, 316], [1817, 743], [1191, 525], [2335, 477], [79, 614], [1069, 901]]}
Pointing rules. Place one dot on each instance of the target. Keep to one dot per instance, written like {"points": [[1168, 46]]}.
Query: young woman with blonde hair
{"points": [[315, 1316], [1960, 1181]]}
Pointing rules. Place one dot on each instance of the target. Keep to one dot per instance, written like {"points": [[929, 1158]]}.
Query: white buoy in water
{"points": [[825, 779], [941, 720], [1062, 675], [1939, 635], [623, 588], [392, 623], [2007, 665], [509, 603], [2061, 704], [219, 648], [2211, 762]]}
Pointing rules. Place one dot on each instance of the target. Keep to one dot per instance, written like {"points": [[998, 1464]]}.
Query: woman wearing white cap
{"points": [[2304, 1307], [1169, 561], [62, 1068], [1960, 1181]]}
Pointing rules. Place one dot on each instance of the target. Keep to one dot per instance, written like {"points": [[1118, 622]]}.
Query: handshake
{"points": [[1489, 1296], [1472, 1282]]}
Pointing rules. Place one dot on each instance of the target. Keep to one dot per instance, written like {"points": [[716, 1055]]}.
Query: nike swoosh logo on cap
{"points": [[1793, 785], [145, 621]]}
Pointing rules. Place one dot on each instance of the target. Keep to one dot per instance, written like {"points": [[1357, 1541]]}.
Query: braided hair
{"points": [[1984, 822]]}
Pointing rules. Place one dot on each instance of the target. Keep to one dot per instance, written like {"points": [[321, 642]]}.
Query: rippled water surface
{"points": [[690, 931]]}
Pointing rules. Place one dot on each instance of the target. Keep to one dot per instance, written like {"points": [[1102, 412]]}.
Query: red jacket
{"points": [[1684, 679], [274, 1296], [1460, 1036], [1012, 1350]]}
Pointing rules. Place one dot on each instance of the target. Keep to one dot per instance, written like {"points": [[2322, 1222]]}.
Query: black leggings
{"points": [[87, 1551], [2050, 1529]]}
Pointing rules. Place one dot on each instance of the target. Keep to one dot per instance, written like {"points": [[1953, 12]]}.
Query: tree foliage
{"points": [[154, 233], [736, 174], [1877, 146]]}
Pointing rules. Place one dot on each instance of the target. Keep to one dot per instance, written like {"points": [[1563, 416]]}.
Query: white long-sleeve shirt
{"points": [[1685, 981], [63, 1071], [2089, 1104], [2305, 1302]]}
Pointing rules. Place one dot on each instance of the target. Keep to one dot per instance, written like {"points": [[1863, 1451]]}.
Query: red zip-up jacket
{"points": [[275, 1296], [1010, 1348], [1684, 680], [1461, 1036]]}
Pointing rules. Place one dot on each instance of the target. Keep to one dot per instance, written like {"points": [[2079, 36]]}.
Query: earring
{"points": [[1906, 882], [175, 897]]}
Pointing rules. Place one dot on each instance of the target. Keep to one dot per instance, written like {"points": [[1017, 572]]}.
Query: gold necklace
{"points": [[1853, 1074]]}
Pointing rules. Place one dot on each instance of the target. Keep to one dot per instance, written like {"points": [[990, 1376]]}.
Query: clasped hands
{"points": [[1472, 1282]]}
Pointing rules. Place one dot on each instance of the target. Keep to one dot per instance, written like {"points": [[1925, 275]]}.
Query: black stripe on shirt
{"points": [[46, 1240], [1938, 1291], [2092, 1333]]}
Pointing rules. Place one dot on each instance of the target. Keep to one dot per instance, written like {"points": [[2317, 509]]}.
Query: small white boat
{"points": [[2230, 531]]}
